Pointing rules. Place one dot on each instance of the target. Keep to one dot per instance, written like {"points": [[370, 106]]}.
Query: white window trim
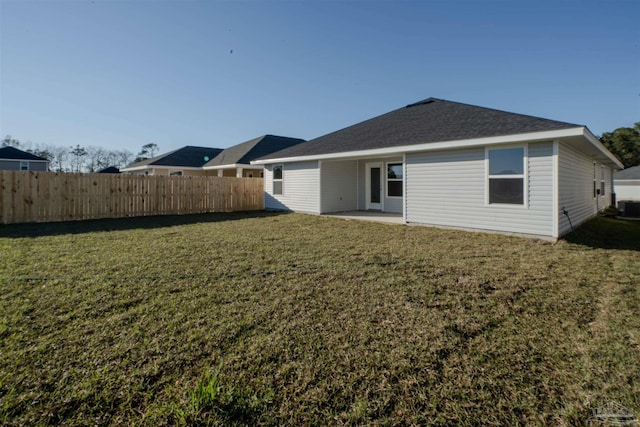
{"points": [[387, 179], [524, 176], [367, 202], [274, 179], [176, 173], [24, 162]]}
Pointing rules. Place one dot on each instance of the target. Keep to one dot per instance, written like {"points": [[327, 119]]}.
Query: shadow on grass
{"points": [[116, 224], [607, 233]]}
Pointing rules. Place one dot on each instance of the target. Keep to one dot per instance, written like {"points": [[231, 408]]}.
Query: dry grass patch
{"points": [[303, 320]]}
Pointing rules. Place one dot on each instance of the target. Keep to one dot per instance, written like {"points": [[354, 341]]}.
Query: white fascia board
{"points": [[135, 168], [594, 141], [24, 160], [232, 166], [140, 168], [623, 182], [463, 143]]}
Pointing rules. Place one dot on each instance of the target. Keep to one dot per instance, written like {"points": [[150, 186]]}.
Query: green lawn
{"points": [[291, 319]]}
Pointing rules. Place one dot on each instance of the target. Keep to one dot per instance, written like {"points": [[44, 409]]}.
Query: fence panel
{"points": [[27, 196]]}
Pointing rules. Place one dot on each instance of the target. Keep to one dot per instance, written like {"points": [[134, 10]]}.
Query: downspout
{"points": [[555, 191], [404, 188]]}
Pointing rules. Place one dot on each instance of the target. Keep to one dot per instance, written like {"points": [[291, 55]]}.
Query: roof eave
{"points": [[232, 165], [24, 160], [140, 168], [431, 146], [596, 143]]}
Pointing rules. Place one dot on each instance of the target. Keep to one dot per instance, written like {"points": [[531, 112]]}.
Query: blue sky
{"points": [[120, 74]]}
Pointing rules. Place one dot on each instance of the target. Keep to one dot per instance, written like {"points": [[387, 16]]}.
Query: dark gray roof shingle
{"points": [[628, 173], [13, 153], [250, 150], [188, 156], [430, 120]]}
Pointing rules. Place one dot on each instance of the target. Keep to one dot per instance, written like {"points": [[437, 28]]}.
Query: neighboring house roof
{"points": [[629, 173], [430, 122], [188, 156], [110, 169], [12, 153], [247, 151]]}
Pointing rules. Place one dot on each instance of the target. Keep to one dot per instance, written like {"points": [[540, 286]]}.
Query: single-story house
{"points": [[627, 184], [449, 164], [14, 159], [236, 160], [187, 160]]}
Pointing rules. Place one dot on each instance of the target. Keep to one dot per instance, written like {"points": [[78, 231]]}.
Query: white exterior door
{"points": [[374, 181]]}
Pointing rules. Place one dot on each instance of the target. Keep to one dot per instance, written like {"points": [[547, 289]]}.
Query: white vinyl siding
{"points": [[447, 188], [575, 188], [628, 189], [339, 186], [300, 188]]}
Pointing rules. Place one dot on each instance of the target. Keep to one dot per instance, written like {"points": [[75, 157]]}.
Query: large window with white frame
{"points": [[24, 166], [277, 179], [602, 181], [506, 176], [395, 176]]}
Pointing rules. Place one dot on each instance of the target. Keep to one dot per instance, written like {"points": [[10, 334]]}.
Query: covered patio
{"points": [[376, 216]]}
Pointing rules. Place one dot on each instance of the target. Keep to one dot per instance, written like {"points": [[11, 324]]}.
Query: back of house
{"points": [[449, 164]]}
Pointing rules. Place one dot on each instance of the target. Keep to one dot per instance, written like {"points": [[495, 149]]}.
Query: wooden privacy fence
{"points": [[49, 196]]}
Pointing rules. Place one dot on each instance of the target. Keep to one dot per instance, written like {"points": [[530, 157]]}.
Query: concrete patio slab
{"points": [[386, 217]]}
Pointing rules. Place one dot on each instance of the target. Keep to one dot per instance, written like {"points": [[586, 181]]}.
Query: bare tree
{"points": [[125, 157], [10, 142], [59, 158], [78, 156], [97, 158]]}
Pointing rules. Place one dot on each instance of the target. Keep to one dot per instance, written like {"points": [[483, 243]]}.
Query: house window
{"points": [[506, 176], [24, 166], [277, 179], [602, 185], [175, 173], [395, 175]]}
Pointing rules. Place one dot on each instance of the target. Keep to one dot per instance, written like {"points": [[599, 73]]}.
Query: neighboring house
{"points": [[236, 160], [110, 169], [183, 161], [627, 184], [17, 160], [449, 164]]}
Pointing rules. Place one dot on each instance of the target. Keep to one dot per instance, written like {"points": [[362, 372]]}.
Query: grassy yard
{"points": [[296, 320]]}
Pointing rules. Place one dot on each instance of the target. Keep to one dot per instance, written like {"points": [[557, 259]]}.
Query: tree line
{"points": [[624, 143], [79, 158]]}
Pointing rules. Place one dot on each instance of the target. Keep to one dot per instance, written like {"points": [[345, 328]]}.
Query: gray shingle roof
{"points": [[250, 150], [109, 169], [430, 120], [628, 173], [13, 153], [188, 156]]}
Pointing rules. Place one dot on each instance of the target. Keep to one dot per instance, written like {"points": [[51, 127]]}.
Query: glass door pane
{"points": [[375, 185]]}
